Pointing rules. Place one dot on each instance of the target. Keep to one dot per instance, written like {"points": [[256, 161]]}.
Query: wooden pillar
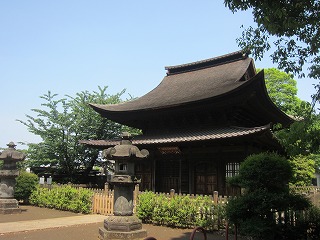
{"points": [[221, 171], [153, 170], [191, 173], [179, 182]]}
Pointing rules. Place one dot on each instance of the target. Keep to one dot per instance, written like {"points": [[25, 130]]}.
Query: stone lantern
{"points": [[123, 224], [8, 173]]}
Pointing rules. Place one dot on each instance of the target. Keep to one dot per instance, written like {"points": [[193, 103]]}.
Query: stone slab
{"points": [[113, 235], [9, 206]]}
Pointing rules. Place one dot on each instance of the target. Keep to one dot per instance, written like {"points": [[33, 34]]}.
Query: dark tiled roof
{"points": [[195, 84], [184, 136]]}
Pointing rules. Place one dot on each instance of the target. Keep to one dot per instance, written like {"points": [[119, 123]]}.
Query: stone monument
{"points": [[123, 224], [8, 173]]}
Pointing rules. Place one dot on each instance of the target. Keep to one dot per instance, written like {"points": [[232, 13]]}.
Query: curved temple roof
{"points": [[212, 80], [189, 83]]}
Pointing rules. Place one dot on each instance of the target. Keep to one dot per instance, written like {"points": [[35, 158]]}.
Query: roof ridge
{"points": [[226, 58]]}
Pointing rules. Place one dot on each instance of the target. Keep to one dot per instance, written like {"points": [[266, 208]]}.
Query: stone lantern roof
{"points": [[11, 154], [125, 150]]}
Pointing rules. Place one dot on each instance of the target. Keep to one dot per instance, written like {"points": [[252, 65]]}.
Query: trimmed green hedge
{"points": [[180, 211], [63, 198], [159, 209], [25, 184]]}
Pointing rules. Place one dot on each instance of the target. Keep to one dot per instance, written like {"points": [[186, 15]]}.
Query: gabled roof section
{"points": [[190, 83], [188, 135]]}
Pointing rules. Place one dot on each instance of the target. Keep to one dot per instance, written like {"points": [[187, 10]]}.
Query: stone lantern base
{"points": [[122, 227], [9, 206]]}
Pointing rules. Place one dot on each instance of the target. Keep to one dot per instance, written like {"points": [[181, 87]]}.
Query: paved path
{"points": [[21, 226]]}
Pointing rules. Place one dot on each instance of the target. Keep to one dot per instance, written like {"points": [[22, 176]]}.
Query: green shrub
{"points": [[266, 208], [25, 184], [146, 206], [180, 211], [63, 198]]}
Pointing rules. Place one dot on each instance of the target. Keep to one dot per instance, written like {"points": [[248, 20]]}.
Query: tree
{"points": [[302, 144], [292, 27], [303, 168], [264, 178], [282, 89], [302, 137], [62, 123]]}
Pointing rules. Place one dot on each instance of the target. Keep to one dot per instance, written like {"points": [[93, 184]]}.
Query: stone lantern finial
{"points": [[126, 136], [11, 145]]}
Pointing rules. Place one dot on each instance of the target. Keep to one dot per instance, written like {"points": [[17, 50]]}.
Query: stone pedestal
{"points": [[9, 206], [122, 227]]}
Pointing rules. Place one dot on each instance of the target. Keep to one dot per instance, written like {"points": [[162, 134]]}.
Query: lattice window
{"points": [[123, 167], [232, 169]]}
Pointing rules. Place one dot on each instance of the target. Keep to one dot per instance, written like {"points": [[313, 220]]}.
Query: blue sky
{"points": [[75, 45]]}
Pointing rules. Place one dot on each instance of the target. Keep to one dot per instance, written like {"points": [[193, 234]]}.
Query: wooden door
{"points": [[143, 171], [167, 175], [205, 178]]}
